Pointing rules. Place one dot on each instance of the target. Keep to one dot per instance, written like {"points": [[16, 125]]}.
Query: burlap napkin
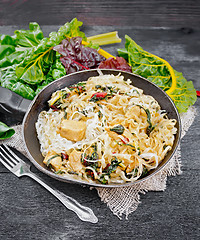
{"points": [[125, 200]]}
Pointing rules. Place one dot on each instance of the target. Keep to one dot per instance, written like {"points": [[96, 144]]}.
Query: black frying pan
{"points": [[14, 103]]}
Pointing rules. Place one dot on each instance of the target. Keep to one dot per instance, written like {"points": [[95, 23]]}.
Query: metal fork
{"points": [[13, 163]]}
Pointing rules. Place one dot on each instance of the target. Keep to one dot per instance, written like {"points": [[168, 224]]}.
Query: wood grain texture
{"points": [[182, 13], [27, 211]]}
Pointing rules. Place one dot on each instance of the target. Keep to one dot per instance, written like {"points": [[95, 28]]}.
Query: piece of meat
{"points": [[72, 130], [75, 160], [55, 160]]}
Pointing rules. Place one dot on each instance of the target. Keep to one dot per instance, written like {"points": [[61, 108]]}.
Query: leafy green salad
{"points": [[29, 61]]}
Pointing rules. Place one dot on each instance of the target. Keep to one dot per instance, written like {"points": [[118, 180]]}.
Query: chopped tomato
{"points": [[125, 140], [99, 95]]}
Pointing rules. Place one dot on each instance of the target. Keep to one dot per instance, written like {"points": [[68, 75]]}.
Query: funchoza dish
{"points": [[104, 130]]}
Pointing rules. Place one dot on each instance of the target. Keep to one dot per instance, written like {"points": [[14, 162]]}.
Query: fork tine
{"points": [[2, 160], [7, 158], [9, 152]]}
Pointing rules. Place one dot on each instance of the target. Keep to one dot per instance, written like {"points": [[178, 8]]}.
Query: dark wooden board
{"points": [[27, 211], [156, 13]]}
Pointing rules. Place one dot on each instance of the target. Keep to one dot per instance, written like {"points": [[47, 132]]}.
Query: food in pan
{"points": [[104, 130]]}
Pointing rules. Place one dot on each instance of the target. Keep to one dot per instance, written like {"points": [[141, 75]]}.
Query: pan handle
{"points": [[13, 103]]}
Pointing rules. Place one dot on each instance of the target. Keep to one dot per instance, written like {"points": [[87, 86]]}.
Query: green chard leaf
{"points": [[31, 70], [7, 49], [7, 40], [184, 95], [110, 168], [49, 160], [9, 80], [28, 61], [119, 129], [5, 131], [14, 49], [159, 71], [12, 59], [22, 89], [56, 71], [29, 38]]}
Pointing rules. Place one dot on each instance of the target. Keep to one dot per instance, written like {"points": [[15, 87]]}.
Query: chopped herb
{"points": [[98, 86], [144, 172], [110, 168], [150, 128], [128, 144], [90, 161], [79, 87], [65, 115], [119, 129], [119, 143], [84, 112], [98, 104], [59, 172], [132, 91], [125, 144], [65, 95], [58, 103], [72, 172], [90, 173], [94, 156], [100, 115], [49, 160], [165, 146], [139, 150], [94, 146], [134, 172], [103, 180]]}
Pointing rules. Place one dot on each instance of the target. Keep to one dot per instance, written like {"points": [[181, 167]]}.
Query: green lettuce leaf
{"points": [[159, 71], [5, 131]]}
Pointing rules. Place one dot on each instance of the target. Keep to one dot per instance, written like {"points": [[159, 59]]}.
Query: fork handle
{"points": [[84, 213]]}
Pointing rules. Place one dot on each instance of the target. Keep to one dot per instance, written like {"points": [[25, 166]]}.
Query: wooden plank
{"points": [[180, 13], [29, 212]]}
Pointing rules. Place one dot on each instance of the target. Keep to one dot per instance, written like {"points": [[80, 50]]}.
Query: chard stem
{"points": [[105, 38]]}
